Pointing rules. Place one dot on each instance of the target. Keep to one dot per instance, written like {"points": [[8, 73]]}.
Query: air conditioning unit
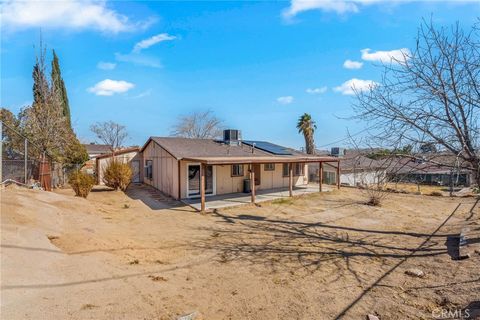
{"points": [[232, 137], [337, 152]]}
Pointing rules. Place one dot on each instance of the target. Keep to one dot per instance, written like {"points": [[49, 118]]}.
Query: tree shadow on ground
{"points": [[287, 245]]}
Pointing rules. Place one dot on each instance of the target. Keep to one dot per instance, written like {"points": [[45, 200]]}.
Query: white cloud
{"points": [[298, 6], [285, 100], [316, 90], [349, 64], [392, 56], [65, 14], [142, 94], [106, 65], [147, 43], [139, 59], [355, 85], [337, 6], [109, 87]]}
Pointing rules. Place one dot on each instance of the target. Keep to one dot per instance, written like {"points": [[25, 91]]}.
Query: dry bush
{"points": [[376, 193], [117, 175], [81, 183], [436, 194]]}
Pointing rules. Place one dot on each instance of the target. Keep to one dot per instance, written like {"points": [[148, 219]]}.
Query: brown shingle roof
{"points": [[97, 148], [212, 150]]}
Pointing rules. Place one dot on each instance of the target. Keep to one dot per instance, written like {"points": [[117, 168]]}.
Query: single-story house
{"points": [[437, 169], [355, 169], [177, 166], [94, 150], [128, 155]]}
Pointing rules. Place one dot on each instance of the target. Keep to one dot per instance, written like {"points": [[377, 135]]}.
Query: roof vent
{"points": [[232, 137]]}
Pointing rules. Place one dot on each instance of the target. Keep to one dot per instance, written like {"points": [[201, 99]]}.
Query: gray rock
{"points": [[372, 317], [414, 272]]}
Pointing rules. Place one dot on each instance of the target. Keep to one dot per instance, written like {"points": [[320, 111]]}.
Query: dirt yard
{"points": [[323, 256]]}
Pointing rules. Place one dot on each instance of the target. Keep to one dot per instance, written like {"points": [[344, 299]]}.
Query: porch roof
{"points": [[261, 159]]}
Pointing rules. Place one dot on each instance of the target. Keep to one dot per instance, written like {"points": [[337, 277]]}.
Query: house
{"points": [[177, 166], [356, 169], [127, 155], [431, 169], [94, 150]]}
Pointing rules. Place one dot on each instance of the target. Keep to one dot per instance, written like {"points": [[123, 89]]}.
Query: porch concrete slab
{"points": [[235, 199]]}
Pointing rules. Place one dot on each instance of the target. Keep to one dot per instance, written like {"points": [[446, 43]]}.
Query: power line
{"points": [[344, 139]]}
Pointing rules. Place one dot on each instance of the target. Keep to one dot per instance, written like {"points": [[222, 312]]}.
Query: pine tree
{"points": [[58, 86]]}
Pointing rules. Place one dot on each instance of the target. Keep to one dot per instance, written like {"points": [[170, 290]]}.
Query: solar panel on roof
{"points": [[268, 147]]}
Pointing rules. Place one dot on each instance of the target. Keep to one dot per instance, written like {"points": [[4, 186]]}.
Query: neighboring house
{"points": [[355, 168], [94, 150], [176, 166], [430, 170], [128, 155], [434, 168]]}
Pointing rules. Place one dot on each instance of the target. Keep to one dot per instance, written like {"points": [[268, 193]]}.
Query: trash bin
{"points": [[246, 186]]}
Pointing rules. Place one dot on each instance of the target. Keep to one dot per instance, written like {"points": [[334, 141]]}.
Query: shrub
{"points": [[374, 201], [436, 193], [117, 175], [81, 183]]}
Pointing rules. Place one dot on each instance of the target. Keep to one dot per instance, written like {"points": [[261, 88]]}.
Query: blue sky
{"points": [[256, 65]]}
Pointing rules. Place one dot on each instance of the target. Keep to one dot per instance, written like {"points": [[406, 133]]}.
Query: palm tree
{"points": [[307, 126]]}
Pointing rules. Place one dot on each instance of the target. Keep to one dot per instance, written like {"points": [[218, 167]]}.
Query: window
{"points": [[237, 170], [269, 167], [148, 169], [298, 169]]}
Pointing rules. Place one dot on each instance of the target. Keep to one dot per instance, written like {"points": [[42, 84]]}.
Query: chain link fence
{"points": [[22, 162]]}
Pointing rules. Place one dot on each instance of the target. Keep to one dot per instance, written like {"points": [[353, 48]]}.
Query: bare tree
{"points": [[200, 125], [431, 96], [110, 133]]}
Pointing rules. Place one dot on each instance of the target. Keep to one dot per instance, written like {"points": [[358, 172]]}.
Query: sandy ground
{"points": [[322, 256]]}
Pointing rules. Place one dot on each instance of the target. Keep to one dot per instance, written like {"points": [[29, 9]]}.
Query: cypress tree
{"points": [[59, 87]]}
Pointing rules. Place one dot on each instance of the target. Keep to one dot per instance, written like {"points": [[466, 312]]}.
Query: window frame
{"points": [[148, 169], [240, 173], [286, 165], [301, 166], [271, 168]]}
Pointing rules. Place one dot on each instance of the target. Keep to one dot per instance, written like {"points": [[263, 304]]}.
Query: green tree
{"points": [[307, 126], [12, 139], [58, 86]]}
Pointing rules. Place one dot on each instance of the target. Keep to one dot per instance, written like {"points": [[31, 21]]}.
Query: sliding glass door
{"points": [[194, 180]]}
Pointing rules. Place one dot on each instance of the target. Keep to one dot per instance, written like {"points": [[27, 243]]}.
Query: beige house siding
{"points": [[225, 183], [164, 169], [102, 163]]}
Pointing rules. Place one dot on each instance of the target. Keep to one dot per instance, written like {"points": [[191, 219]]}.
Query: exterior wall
{"points": [[102, 163], [362, 178], [225, 183], [164, 169]]}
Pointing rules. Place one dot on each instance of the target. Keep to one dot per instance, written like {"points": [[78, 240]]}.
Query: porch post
{"points": [[202, 187], [290, 179], [338, 174], [252, 183], [320, 175]]}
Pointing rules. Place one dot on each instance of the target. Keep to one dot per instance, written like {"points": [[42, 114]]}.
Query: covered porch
{"points": [[226, 200], [240, 198]]}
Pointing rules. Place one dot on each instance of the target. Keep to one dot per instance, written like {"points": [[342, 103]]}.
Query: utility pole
{"points": [[26, 161]]}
